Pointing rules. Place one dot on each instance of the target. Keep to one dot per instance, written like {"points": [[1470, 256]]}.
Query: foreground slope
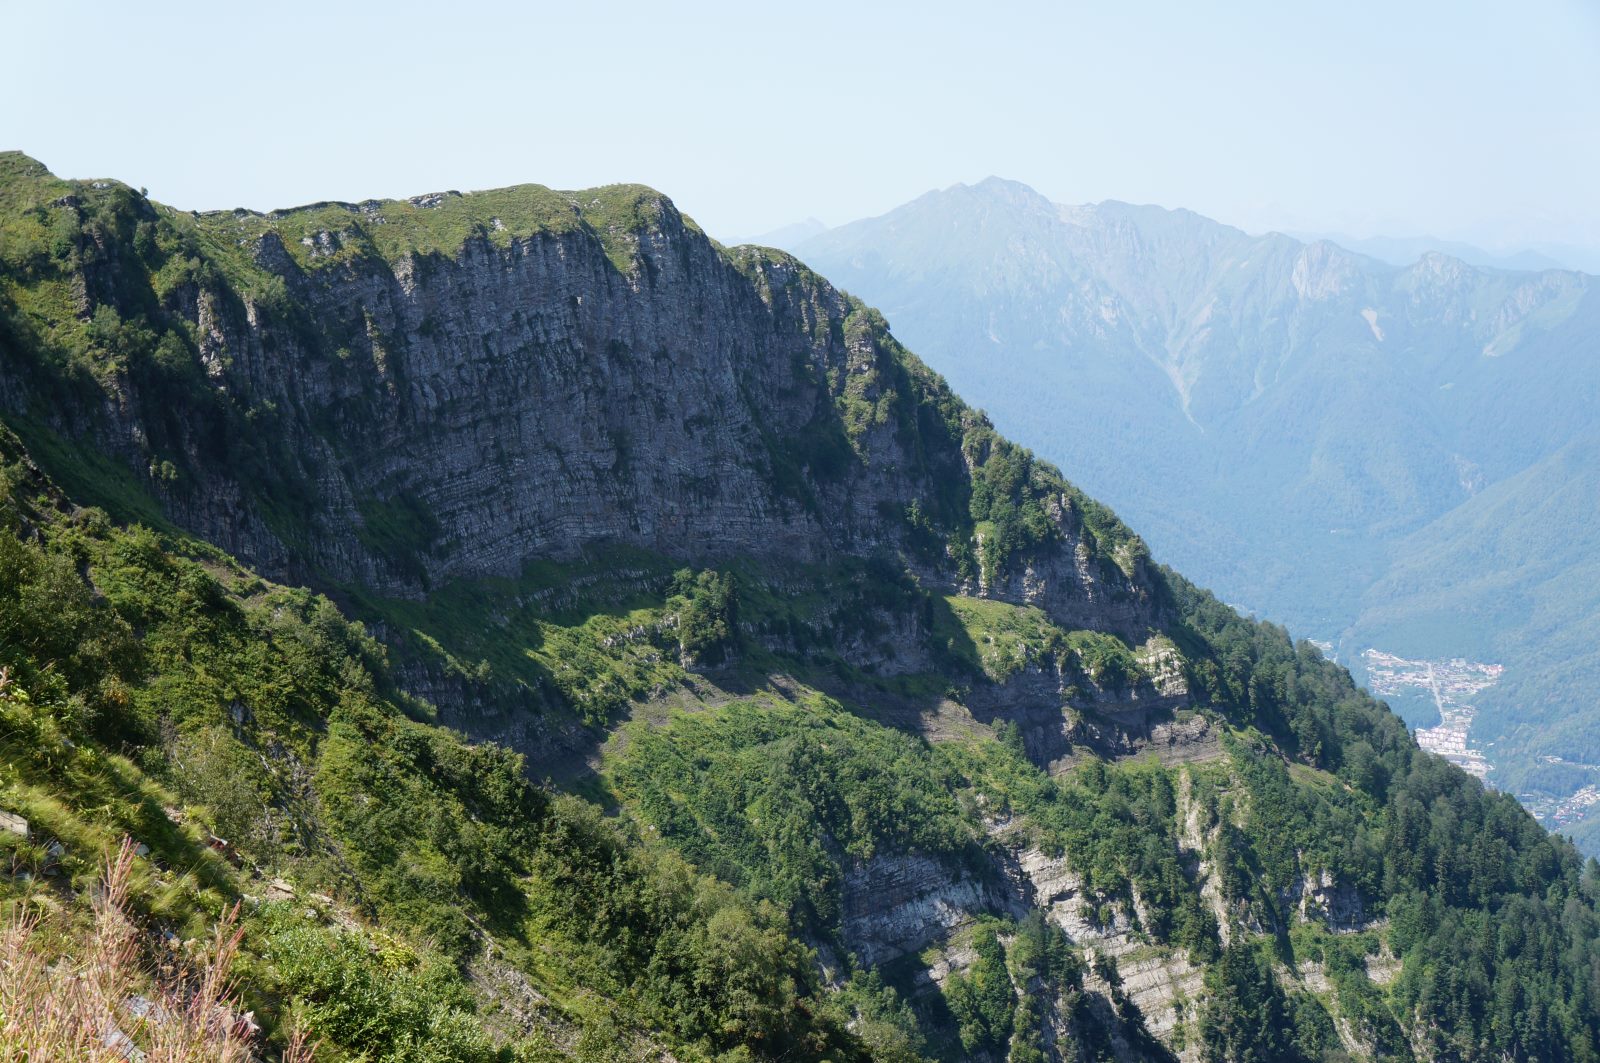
{"points": [[908, 748], [1323, 437]]}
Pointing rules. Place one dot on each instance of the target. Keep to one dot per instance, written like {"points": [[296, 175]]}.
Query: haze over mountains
{"points": [[1405, 250], [1383, 456], [571, 638]]}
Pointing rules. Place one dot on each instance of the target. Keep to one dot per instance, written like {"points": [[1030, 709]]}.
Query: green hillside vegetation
{"points": [[146, 675], [1388, 456], [445, 844], [719, 748]]}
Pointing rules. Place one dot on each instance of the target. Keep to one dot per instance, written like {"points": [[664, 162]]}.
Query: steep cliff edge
{"points": [[1382, 455], [909, 748], [398, 394]]}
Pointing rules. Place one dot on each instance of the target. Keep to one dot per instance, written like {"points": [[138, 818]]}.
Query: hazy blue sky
{"points": [[1468, 120]]}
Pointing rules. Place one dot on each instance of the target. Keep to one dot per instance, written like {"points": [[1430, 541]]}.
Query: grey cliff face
{"points": [[442, 416], [533, 400]]}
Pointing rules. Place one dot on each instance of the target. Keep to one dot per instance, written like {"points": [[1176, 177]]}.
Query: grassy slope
{"points": [[155, 689], [273, 719]]}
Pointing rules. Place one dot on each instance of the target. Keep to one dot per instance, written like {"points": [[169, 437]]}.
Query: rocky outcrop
{"points": [[1070, 585], [1336, 905], [894, 905], [897, 905], [904, 904], [1160, 981], [1174, 738], [606, 376]]}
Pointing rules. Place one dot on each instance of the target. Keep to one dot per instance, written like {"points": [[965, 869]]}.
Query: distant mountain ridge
{"points": [[1290, 421], [1395, 250], [1404, 250], [785, 236], [726, 688]]}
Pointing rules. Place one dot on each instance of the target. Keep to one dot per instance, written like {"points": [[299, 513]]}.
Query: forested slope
{"points": [[682, 669], [1385, 455]]}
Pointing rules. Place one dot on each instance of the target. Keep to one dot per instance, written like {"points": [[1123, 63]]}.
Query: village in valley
{"points": [[1452, 684]]}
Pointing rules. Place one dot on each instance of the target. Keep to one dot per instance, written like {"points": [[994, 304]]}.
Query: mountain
{"points": [[785, 235], [1384, 457], [1405, 250], [570, 638], [1511, 575]]}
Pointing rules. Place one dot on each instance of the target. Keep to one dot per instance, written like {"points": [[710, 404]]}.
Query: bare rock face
{"points": [[896, 904], [531, 400], [899, 905], [1160, 981], [1067, 584], [398, 420], [1322, 898], [1174, 739]]}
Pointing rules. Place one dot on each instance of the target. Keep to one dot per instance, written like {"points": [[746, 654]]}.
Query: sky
{"points": [[1465, 120]]}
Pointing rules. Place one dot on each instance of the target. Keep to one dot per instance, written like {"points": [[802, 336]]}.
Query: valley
{"points": [[1453, 685], [1393, 455], [1561, 813], [635, 652]]}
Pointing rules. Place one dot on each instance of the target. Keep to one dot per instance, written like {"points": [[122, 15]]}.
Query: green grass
{"points": [[779, 797], [596, 652], [326, 235], [1001, 639], [89, 475]]}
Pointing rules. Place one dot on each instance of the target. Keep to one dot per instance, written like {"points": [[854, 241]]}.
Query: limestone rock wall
{"points": [[440, 416]]}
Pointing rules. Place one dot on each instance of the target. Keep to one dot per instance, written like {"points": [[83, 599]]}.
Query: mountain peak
{"points": [[24, 176], [996, 183], [1006, 190], [507, 427]]}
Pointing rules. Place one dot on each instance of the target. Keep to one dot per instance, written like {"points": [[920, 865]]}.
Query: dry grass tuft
{"points": [[105, 1005]]}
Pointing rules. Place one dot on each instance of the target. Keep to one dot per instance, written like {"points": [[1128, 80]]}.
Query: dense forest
{"points": [[886, 798]]}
